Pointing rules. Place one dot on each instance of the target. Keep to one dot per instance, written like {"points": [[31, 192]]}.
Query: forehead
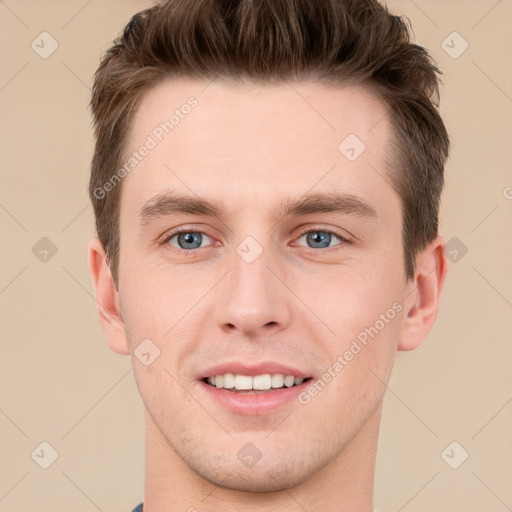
{"points": [[309, 108], [215, 138]]}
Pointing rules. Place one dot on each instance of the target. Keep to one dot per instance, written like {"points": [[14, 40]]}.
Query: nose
{"points": [[253, 298]]}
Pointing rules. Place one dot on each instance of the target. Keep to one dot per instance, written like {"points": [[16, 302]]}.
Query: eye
{"points": [[321, 238], [186, 239]]}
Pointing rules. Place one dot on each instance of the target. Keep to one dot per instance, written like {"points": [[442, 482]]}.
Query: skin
{"points": [[249, 148]]}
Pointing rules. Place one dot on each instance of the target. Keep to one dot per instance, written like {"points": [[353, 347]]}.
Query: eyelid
{"points": [[166, 237], [307, 229], [325, 229]]}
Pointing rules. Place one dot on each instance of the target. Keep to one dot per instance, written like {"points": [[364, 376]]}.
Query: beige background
{"points": [[60, 383]]}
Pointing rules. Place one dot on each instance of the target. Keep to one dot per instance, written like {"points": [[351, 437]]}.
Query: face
{"points": [[258, 242]]}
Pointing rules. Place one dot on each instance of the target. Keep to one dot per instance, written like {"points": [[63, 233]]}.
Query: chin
{"points": [[265, 478]]}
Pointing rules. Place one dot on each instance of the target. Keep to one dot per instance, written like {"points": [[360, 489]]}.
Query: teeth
{"points": [[229, 381], [258, 382], [262, 381], [243, 382], [289, 381], [277, 380]]}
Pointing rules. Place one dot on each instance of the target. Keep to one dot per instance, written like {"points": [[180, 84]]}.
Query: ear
{"points": [[107, 298], [424, 292]]}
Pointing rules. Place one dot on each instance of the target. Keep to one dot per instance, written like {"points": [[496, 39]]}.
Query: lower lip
{"points": [[254, 404]]}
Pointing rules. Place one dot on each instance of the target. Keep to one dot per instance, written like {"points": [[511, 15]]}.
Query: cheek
{"points": [[353, 382], [150, 306], [366, 317], [350, 302]]}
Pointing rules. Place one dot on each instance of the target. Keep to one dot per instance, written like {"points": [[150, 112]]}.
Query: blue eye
{"points": [[320, 239], [187, 239]]}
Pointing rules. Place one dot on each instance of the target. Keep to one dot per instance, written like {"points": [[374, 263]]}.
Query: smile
{"points": [[253, 384]]}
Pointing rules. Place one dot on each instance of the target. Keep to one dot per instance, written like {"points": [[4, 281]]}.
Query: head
{"points": [[285, 114]]}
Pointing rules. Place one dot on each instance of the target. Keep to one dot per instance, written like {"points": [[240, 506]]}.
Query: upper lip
{"points": [[262, 368]]}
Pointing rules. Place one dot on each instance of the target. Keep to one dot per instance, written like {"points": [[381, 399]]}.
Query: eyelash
{"points": [[319, 229]]}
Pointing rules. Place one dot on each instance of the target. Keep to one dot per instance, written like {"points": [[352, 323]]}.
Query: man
{"points": [[266, 184]]}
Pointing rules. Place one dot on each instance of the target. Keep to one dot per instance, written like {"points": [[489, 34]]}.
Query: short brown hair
{"points": [[336, 42]]}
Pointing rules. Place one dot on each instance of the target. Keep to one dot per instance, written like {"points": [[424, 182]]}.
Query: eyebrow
{"points": [[172, 203]]}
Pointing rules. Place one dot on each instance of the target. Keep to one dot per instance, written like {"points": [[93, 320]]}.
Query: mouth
{"points": [[254, 388], [254, 384]]}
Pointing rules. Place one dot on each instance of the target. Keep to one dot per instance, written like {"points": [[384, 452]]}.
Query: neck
{"points": [[345, 484]]}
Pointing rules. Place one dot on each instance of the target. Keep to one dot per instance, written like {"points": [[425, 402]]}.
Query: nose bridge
{"points": [[253, 297]]}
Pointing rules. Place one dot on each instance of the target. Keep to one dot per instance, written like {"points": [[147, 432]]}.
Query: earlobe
{"points": [[425, 293], [107, 298]]}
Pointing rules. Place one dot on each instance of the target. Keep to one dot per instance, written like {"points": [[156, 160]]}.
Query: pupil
{"points": [[321, 238], [190, 238]]}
